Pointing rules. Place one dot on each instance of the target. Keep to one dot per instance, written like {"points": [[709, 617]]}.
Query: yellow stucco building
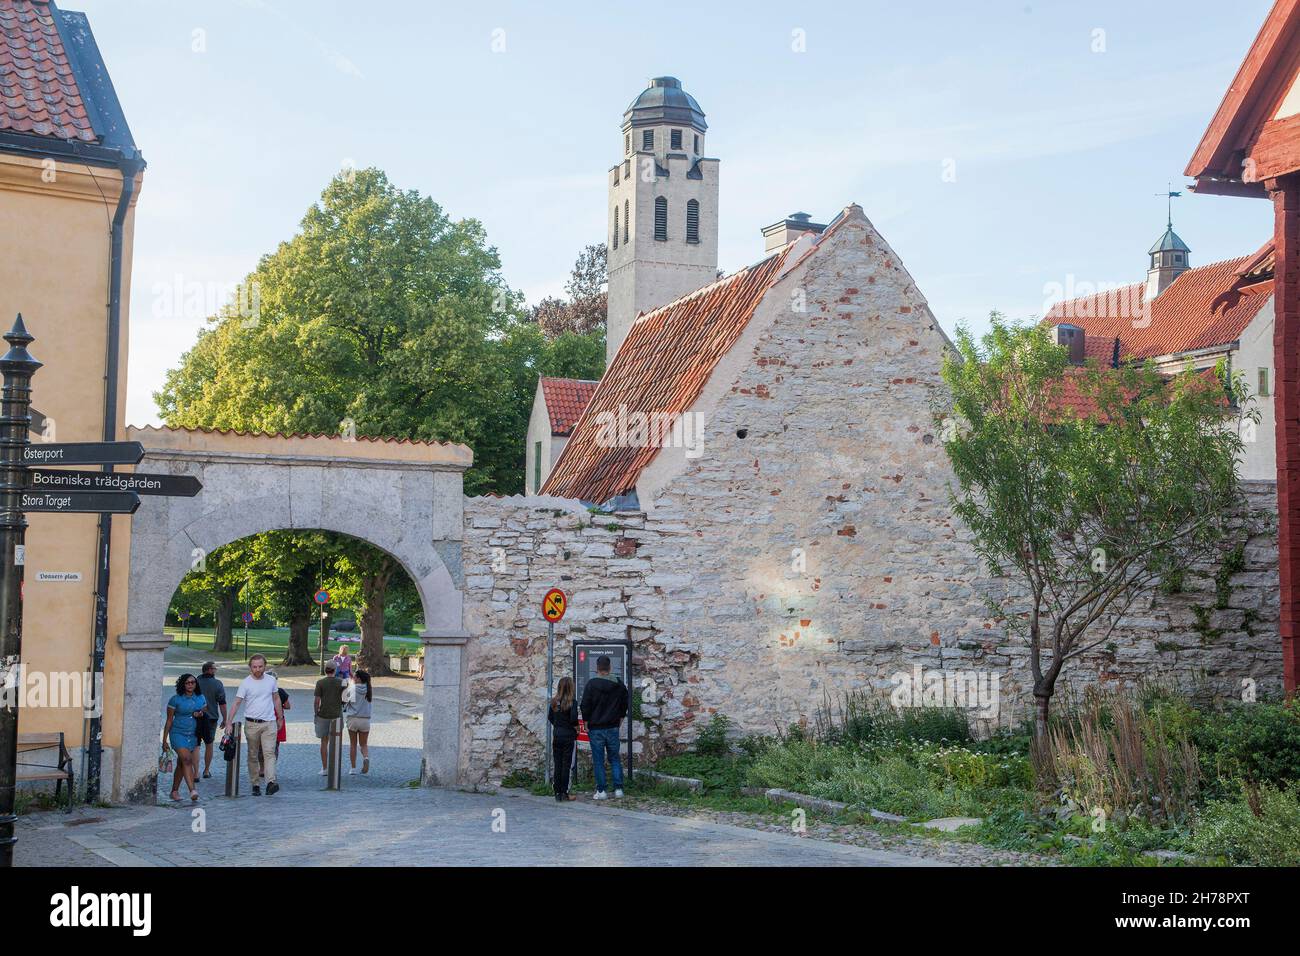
{"points": [[70, 174]]}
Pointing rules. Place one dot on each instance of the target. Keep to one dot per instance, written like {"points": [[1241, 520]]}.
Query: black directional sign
{"points": [[84, 453], [181, 486], [80, 502]]}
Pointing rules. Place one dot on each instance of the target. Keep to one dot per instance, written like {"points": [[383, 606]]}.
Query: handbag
{"points": [[165, 764]]}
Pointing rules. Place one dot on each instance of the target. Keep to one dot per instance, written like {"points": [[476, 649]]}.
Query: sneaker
{"points": [[618, 793], [257, 791], [352, 772], [272, 788], [324, 772], [600, 795]]}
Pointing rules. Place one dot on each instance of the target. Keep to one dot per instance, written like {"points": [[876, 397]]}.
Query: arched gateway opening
{"points": [[404, 498]]}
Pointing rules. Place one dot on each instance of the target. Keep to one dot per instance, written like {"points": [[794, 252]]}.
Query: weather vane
{"points": [[1169, 195]]}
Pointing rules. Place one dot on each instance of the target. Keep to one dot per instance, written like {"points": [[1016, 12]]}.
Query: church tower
{"points": [[663, 208], [1170, 258]]}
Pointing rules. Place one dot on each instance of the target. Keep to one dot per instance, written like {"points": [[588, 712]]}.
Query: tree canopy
{"points": [[1085, 511]]}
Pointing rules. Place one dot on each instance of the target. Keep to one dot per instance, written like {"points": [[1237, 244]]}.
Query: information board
{"points": [[585, 655]]}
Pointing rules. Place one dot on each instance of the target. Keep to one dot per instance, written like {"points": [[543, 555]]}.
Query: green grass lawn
{"points": [[271, 641]]}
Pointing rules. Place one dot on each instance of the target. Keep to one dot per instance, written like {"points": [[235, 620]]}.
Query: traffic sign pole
{"points": [[17, 367], [554, 604]]}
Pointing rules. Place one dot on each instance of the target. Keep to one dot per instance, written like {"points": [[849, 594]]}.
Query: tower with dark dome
{"points": [[1170, 258], [663, 208]]}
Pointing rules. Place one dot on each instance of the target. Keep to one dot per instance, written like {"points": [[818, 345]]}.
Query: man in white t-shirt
{"points": [[258, 694]]}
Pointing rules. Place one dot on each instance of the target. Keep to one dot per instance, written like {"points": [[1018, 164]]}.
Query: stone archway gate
{"points": [[405, 498]]}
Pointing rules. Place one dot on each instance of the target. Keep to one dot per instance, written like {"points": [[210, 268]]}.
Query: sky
{"points": [[1010, 153]]}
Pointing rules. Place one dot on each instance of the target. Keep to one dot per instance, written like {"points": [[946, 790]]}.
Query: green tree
{"points": [[1084, 513]]}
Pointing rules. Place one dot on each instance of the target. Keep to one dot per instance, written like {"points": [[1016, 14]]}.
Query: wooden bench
{"points": [[60, 774]]}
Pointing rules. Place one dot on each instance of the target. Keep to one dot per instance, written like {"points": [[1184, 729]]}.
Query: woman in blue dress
{"points": [[181, 733]]}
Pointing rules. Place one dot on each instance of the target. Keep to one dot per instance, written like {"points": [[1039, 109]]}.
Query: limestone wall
{"points": [[810, 550]]}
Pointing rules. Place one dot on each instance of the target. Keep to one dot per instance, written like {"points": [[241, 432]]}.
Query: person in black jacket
{"points": [[604, 705], [563, 715]]}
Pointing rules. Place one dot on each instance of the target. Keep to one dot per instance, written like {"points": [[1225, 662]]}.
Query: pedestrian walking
{"points": [[604, 705], [213, 716], [262, 719], [357, 708], [563, 715], [179, 733], [343, 664], [328, 703]]}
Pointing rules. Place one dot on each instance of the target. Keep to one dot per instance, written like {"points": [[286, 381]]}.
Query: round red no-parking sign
{"points": [[554, 605]]}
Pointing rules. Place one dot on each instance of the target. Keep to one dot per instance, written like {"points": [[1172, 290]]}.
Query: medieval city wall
{"points": [[810, 549]]}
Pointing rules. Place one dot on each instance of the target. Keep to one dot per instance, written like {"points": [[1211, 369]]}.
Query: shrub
{"points": [[861, 718], [1267, 834], [712, 740], [1251, 743], [1112, 754]]}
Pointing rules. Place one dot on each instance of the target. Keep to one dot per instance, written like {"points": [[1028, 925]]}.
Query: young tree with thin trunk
{"points": [[1085, 488]]}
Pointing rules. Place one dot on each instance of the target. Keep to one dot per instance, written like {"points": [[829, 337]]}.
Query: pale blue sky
{"points": [[1058, 150]]}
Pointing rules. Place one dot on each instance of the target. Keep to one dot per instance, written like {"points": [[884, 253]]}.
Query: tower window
{"points": [[676, 139], [627, 144], [616, 227], [627, 218], [648, 139], [693, 221], [697, 143], [661, 217], [616, 175]]}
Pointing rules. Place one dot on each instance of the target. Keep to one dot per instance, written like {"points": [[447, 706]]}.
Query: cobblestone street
{"points": [[402, 826]]}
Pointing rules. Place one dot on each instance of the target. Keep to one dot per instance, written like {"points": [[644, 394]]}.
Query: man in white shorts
{"points": [[262, 718]]}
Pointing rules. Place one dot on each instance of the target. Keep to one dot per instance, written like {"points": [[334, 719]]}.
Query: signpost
{"points": [[173, 486], [247, 618], [17, 366], [554, 604], [322, 598], [81, 502], [28, 484], [84, 452]]}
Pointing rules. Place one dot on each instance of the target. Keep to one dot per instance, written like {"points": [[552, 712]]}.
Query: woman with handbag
{"points": [[181, 733]]}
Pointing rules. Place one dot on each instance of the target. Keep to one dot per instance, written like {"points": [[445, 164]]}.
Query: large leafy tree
{"points": [[1084, 512]]}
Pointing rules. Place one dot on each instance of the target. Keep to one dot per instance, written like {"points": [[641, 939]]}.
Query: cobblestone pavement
{"points": [[380, 819], [402, 826]]}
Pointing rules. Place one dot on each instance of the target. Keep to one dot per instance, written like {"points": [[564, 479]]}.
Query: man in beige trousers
{"points": [[258, 694]]}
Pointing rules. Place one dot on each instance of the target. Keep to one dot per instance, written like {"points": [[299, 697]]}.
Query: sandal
{"points": [[194, 797], [365, 765], [176, 795]]}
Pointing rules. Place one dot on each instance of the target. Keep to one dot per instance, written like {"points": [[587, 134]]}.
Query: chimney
{"points": [[1071, 336], [790, 229]]}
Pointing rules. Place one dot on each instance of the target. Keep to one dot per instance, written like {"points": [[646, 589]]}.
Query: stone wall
{"points": [[810, 550]]}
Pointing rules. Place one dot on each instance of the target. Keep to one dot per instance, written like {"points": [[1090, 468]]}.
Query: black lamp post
{"points": [[17, 366]]}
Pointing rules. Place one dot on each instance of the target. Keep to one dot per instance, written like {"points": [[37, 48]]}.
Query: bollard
{"points": [[232, 766], [334, 756]]}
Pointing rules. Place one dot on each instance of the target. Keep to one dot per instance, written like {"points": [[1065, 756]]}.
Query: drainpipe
{"points": [[103, 547]]}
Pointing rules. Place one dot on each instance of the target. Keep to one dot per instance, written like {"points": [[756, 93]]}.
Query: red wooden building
{"points": [[1252, 148]]}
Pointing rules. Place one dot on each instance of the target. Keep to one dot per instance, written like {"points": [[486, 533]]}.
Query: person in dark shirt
{"points": [[563, 715], [604, 705], [328, 704]]}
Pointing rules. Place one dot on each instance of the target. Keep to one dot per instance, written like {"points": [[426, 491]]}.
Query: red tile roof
{"points": [[565, 399], [660, 369], [38, 89], [1073, 397], [1203, 307]]}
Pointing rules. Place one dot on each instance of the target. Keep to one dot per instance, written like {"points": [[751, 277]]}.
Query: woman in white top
{"points": [[357, 710]]}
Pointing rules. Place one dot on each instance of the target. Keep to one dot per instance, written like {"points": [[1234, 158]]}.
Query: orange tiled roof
{"points": [[661, 368], [1203, 307], [565, 399], [38, 89], [1071, 396]]}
